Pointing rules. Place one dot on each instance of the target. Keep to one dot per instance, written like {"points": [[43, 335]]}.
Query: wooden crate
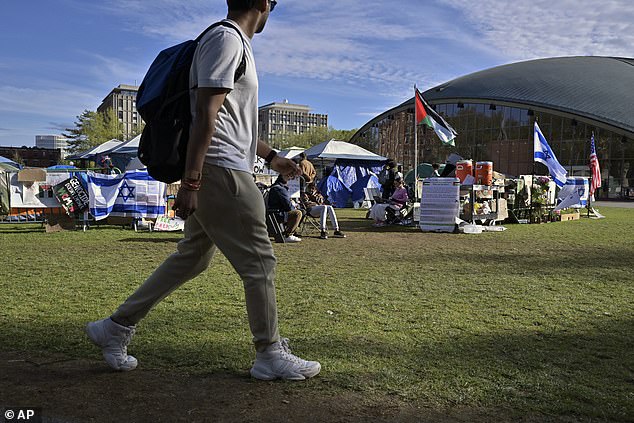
{"points": [[569, 216]]}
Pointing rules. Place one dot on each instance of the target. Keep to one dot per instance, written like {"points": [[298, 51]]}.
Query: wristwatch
{"points": [[269, 158]]}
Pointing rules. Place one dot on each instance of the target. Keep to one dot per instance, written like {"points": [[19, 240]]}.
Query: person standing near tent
{"points": [[435, 171], [222, 206], [308, 172], [386, 179]]}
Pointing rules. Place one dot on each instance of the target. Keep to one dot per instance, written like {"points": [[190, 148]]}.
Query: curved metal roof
{"points": [[596, 88], [599, 88]]}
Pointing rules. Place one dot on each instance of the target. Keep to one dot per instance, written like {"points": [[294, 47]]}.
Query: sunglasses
{"points": [[273, 4]]}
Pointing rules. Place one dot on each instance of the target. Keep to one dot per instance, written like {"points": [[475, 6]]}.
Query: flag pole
{"points": [[590, 184], [530, 212], [415, 149]]}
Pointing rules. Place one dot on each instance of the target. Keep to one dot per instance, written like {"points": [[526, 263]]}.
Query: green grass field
{"points": [[536, 319]]}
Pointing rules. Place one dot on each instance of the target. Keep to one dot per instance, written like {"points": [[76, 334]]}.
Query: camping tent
{"points": [[353, 169], [425, 170], [9, 165], [135, 163], [122, 154]]}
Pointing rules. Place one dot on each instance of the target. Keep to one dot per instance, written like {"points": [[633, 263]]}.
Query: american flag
{"points": [[595, 180]]}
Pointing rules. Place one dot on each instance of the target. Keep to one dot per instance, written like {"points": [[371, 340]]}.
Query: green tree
{"points": [[93, 128], [316, 136]]}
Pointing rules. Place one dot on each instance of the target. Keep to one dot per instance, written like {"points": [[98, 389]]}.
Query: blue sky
{"points": [[351, 59]]}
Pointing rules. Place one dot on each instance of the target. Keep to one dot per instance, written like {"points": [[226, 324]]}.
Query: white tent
{"points": [[290, 152], [333, 150], [100, 149]]}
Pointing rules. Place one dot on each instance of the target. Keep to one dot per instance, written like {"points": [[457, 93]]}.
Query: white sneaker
{"points": [[292, 238], [113, 340], [277, 362]]}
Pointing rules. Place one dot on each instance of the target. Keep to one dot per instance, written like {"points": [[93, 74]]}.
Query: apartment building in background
{"points": [[277, 121], [53, 142], [123, 100]]}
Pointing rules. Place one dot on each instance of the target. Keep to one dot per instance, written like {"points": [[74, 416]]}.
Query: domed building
{"points": [[493, 112]]}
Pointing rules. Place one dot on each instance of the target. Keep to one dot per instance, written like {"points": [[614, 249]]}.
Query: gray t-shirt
{"points": [[234, 143]]}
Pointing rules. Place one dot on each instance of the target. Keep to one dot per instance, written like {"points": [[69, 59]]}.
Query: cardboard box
{"points": [[32, 174]]}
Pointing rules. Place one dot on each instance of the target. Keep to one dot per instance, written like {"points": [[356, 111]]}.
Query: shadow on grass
{"points": [[151, 240], [583, 372]]}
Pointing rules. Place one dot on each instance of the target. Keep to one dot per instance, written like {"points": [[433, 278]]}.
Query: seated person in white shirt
{"points": [[313, 203]]}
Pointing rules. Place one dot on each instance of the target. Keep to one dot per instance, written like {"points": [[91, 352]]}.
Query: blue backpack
{"points": [[163, 103]]}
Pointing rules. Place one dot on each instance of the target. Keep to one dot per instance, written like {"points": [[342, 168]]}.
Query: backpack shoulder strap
{"points": [[242, 67]]}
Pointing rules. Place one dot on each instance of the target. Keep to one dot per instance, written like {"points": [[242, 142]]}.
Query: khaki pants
{"points": [[230, 217]]}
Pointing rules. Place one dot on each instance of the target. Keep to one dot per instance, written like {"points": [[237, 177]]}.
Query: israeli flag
{"points": [[130, 194], [574, 194], [543, 154]]}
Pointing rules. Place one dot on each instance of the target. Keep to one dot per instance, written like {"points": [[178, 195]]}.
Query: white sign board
{"points": [[440, 204], [38, 194]]}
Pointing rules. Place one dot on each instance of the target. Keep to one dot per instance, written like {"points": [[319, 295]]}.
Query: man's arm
{"points": [[208, 102], [288, 168]]}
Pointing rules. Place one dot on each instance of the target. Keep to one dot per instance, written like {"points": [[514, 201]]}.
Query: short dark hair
{"points": [[235, 5], [302, 155], [280, 179]]}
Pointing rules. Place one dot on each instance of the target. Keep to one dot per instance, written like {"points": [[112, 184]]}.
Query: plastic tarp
{"points": [[367, 181], [334, 190], [347, 180], [5, 195]]}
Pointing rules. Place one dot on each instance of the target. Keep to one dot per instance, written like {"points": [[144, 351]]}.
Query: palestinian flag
{"points": [[433, 120]]}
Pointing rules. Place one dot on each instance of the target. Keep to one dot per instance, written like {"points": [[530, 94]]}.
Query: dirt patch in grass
{"points": [[69, 390]]}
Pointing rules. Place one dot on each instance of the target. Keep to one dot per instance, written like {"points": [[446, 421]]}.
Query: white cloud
{"points": [[542, 28]]}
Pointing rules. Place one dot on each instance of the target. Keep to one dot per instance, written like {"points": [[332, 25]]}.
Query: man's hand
{"points": [[286, 167], [186, 203]]}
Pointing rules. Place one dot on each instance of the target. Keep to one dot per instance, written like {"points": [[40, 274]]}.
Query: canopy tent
{"points": [[96, 151], [128, 147], [123, 154], [290, 152], [334, 150], [9, 165], [351, 163]]}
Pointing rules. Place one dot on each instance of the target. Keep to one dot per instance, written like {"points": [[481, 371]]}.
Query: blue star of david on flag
{"points": [[127, 187], [544, 154], [132, 194]]}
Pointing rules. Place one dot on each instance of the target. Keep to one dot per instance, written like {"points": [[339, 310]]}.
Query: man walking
{"points": [[222, 206]]}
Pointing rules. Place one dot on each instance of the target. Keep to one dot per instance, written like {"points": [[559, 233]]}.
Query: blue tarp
{"points": [[347, 180]]}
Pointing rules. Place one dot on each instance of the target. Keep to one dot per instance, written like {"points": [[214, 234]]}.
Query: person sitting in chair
{"points": [[399, 198], [313, 203], [279, 200]]}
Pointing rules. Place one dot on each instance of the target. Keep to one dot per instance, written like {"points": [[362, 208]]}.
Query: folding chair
{"points": [[273, 226], [309, 224]]}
